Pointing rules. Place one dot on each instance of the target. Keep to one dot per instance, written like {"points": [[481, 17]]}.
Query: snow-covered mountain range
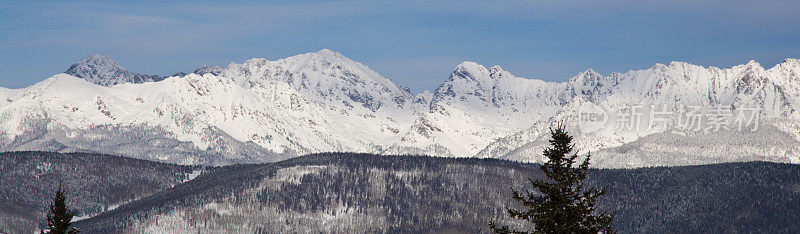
{"points": [[262, 111]]}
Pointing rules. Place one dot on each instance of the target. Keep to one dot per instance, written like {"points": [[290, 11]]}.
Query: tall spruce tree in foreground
{"points": [[562, 204], [59, 217]]}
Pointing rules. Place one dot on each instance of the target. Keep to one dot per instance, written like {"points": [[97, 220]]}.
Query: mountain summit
{"points": [[324, 76], [267, 110], [102, 70]]}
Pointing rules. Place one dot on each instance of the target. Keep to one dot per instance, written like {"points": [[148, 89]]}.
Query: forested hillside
{"points": [[343, 192], [92, 183]]}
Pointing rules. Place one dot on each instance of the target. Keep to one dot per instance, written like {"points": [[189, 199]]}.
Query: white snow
{"points": [[323, 102], [194, 174]]}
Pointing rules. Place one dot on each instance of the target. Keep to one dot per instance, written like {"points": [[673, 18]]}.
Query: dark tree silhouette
{"points": [[59, 217], [561, 203]]}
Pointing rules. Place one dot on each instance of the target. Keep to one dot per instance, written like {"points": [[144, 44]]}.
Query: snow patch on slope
{"points": [[323, 101]]}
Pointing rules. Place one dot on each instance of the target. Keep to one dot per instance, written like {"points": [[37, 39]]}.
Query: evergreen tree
{"points": [[59, 217], [562, 203]]}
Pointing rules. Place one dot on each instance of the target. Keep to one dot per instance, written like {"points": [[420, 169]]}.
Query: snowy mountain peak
{"points": [[263, 110], [750, 66], [472, 73], [323, 77], [466, 77], [590, 72], [683, 66], [98, 59], [472, 68], [328, 56], [102, 70], [323, 55], [496, 72], [495, 69], [206, 69], [791, 61], [102, 64], [789, 65], [327, 52], [586, 76]]}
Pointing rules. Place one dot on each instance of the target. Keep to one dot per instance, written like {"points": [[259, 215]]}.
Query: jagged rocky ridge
{"points": [[102, 70], [262, 111]]}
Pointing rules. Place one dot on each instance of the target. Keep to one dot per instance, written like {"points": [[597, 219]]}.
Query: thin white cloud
{"points": [[126, 28]]}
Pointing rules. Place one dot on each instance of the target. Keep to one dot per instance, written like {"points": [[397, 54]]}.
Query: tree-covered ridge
{"points": [[362, 192], [92, 183], [744, 197], [346, 192]]}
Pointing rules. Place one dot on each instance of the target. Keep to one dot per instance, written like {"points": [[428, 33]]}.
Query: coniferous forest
{"points": [[346, 192]]}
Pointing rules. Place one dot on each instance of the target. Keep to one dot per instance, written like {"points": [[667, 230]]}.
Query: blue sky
{"points": [[414, 43]]}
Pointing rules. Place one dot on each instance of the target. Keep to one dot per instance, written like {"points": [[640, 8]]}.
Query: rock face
{"points": [[262, 111], [102, 70]]}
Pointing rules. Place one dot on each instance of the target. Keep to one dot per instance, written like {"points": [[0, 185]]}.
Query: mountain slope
{"points": [[92, 184], [672, 87], [264, 111], [372, 193]]}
